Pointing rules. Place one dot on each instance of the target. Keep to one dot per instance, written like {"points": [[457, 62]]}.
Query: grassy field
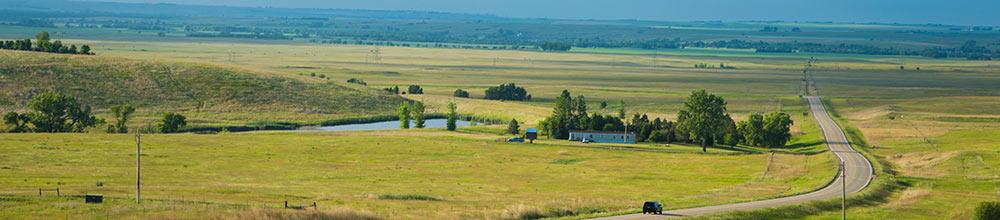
{"points": [[450, 175], [944, 149], [209, 95], [936, 126]]}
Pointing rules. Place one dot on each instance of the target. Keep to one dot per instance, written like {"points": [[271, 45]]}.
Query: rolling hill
{"points": [[156, 87]]}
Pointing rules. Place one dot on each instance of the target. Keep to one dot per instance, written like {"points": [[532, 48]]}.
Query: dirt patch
{"points": [[922, 164]]}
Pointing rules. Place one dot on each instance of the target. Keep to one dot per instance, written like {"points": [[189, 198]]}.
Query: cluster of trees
{"points": [[44, 44], [771, 130], [571, 114], [508, 91], [53, 112], [412, 89], [703, 120], [461, 93], [407, 111]]}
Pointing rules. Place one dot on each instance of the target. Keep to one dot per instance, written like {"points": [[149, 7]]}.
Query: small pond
{"points": [[387, 125]]}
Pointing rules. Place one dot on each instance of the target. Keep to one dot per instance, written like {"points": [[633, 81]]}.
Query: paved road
{"points": [[859, 174]]}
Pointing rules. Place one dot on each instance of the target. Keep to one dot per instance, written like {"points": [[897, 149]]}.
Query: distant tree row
{"points": [[44, 44], [970, 50], [508, 91], [555, 46]]}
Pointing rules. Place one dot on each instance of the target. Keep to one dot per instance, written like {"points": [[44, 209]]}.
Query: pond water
{"points": [[388, 125]]}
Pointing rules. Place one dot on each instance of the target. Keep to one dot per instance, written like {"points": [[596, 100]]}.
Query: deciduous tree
{"points": [[703, 118]]}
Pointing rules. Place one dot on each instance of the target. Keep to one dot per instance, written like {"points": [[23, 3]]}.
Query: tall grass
{"points": [[285, 214]]}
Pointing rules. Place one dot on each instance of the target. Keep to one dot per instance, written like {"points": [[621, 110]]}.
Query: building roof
{"points": [[600, 132]]}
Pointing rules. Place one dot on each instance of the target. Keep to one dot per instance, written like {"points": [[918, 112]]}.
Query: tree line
{"points": [[52, 112], [703, 120], [43, 43]]}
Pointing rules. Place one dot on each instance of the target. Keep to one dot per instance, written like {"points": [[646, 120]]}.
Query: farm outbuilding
{"points": [[602, 136]]}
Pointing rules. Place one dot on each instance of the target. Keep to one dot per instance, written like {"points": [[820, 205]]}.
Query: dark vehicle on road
{"points": [[652, 208], [515, 140]]}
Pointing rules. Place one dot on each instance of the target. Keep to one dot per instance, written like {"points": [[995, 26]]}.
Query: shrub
{"points": [[121, 113], [415, 89], [513, 127], [988, 211], [172, 122], [461, 93], [393, 90]]}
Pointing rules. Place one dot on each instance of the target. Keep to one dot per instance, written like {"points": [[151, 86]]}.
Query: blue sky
{"points": [[962, 12]]}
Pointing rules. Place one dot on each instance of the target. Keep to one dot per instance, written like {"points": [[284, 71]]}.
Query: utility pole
{"points": [[138, 157], [843, 180]]}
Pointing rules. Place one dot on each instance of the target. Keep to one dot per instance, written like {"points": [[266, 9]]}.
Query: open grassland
{"points": [[936, 126], [944, 149], [599, 77], [209, 94], [404, 174], [758, 84]]}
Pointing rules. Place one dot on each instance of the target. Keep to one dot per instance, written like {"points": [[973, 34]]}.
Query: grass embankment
{"points": [[403, 174], [208, 95]]}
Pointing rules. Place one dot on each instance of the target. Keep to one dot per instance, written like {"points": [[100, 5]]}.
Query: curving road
{"points": [[859, 174]]}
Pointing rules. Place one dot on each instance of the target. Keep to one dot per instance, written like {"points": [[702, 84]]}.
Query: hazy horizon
{"points": [[962, 12]]}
